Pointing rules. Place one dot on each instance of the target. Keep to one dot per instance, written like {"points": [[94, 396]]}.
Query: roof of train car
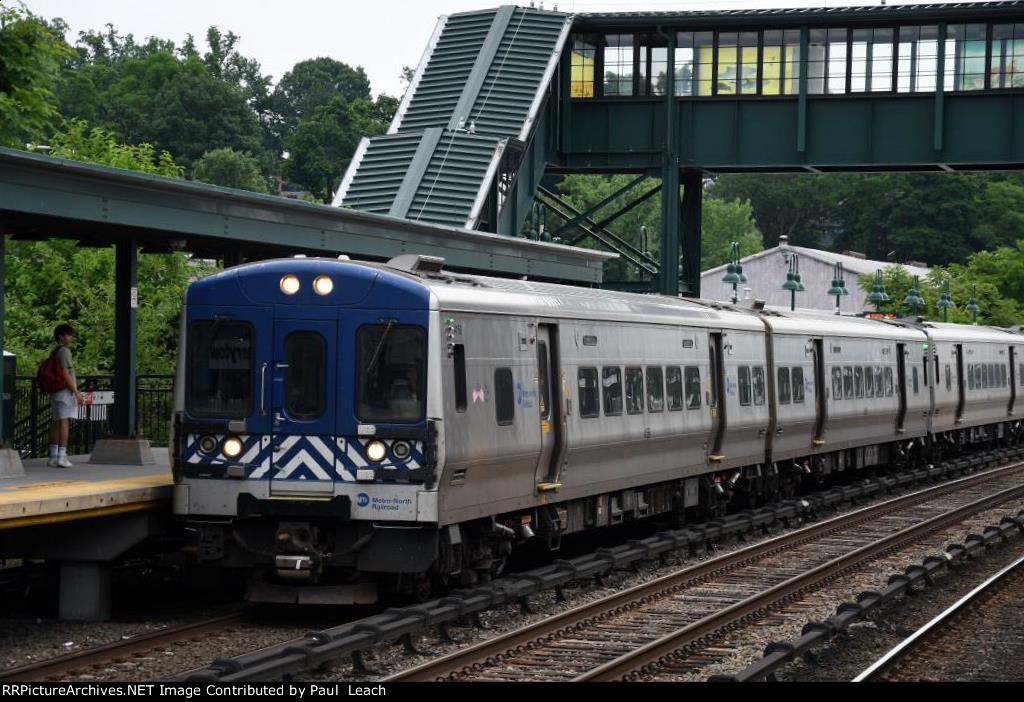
{"points": [[943, 331], [815, 322]]}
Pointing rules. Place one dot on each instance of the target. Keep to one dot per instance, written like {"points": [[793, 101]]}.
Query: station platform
{"points": [[47, 495]]}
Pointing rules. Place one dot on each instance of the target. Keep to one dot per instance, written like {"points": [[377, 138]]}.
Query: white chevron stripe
{"points": [[302, 458], [322, 449], [355, 456]]}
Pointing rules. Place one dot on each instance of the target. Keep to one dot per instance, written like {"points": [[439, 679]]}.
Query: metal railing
{"points": [[33, 414]]}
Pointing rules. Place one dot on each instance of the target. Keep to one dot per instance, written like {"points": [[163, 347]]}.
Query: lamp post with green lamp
{"points": [[793, 282], [878, 296], [972, 304], [913, 300], [945, 301], [734, 271], [838, 288]]}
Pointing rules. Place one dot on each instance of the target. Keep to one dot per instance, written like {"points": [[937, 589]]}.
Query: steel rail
{"points": [[915, 641], [494, 650], [98, 655], [651, 654]]}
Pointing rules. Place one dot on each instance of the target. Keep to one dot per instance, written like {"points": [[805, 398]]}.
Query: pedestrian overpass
{"points": [[506, 100]]}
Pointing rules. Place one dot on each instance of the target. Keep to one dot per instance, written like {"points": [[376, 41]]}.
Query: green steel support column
{"points": [[801, 110], [668, 274], [938, 124], [126, 301], [693, 192], [3, 273]]}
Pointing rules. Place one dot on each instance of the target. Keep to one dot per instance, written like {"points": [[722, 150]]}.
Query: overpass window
{"points": [[965, 57], [918, 59], [653, 70], [817, 53], [747, 70], [780, 66], [581, 69], [1008, 56], [686, 66], [618, 64], [728, 64], [860, 63], [837, 61], [881, 60]]}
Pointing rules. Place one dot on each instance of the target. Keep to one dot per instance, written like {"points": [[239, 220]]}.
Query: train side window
{"points": [[848, 382], [888, 381], [674, 388], [970, 376], [879, 383], [612, 382], [984, 376], [869, 382], [977, 376], [504, 396], [634, 390], [655, 389], [916, 382], [1004, 375], [1020, 376], [858, 381], [459, 356], [744, 384], [692, 387], [784, 394], [590, 403], [798, 385], [837, 383], [949, 377], [759, 387]]}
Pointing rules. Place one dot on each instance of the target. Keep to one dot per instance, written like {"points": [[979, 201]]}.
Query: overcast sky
{"points": [[379, 35]]}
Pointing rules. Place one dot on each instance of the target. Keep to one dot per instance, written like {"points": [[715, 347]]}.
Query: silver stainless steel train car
{"points": [[344, 427]]}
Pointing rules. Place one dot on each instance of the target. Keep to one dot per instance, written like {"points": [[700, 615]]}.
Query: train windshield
{"points": [[391, 378], [220, 369]]}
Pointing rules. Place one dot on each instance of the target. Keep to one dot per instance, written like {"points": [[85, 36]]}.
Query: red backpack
{"points": [[50, 376]]}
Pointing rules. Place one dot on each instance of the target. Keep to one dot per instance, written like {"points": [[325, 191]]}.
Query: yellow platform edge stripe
{"points": [[77, 515]]}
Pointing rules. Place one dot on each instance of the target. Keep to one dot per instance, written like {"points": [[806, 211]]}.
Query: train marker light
{"points": [[290, 284], [323, 285]]}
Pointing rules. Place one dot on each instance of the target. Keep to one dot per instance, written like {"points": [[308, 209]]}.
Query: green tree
{"points": [[31, 55], [313, 84], [320, 147], [723, 222], [230, 168], [56, 281]]}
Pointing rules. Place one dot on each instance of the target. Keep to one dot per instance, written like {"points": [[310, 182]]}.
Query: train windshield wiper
{"points": [[380, 345]]}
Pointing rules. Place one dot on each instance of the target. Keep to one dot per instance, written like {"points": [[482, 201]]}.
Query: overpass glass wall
{"points": [[840, 60]]}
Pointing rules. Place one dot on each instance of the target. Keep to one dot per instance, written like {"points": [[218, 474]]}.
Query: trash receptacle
{"points": [[10, 374]]}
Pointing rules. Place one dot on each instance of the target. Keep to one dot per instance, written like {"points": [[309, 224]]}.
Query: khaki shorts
{"points": [[65, 406]]}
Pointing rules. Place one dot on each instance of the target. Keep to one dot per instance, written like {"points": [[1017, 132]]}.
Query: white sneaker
{"points": [[63, 462]]}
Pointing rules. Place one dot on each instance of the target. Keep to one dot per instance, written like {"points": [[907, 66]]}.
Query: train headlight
{"points": [[376, 451], [323, 285], [290, 284], [232, 447]]}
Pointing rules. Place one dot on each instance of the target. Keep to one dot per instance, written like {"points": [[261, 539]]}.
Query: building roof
{"points": [[854, 264]]}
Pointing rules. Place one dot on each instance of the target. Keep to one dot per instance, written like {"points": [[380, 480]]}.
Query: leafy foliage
{"points": [[30, 59], [230, 168]]}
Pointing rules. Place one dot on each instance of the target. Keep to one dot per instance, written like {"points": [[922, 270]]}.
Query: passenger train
{"points": [[346, 429]]}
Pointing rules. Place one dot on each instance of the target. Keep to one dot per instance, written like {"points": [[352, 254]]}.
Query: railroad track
{"points": [[987, 623], [670, 622], [103, 656]]}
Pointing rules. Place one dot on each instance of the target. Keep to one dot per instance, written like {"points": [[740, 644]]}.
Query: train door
{"points": [[549, 406], [901, 386], [716, 395], [303, 409], [1013, 380], [961, 397], [821, 412]]}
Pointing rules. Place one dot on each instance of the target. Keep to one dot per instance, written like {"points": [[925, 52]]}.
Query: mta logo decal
{"points": [[362, 499]]}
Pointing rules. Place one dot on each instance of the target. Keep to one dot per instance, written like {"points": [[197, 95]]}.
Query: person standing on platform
{"points": [[66, 401]]}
